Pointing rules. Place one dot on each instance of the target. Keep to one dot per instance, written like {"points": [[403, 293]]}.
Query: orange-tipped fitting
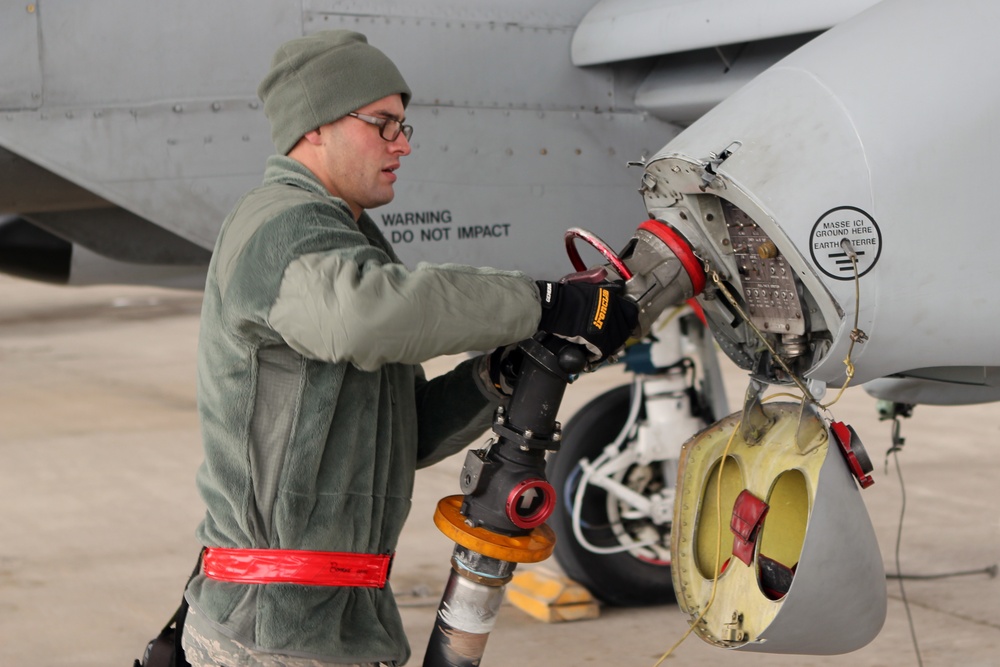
{"points": [[534, 547]]}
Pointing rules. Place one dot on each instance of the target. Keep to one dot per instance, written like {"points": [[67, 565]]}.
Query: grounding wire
{"points": [[991, 571], [899, 540]]}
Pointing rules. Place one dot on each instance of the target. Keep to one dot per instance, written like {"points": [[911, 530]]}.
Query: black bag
{"points": [[165, 650]]}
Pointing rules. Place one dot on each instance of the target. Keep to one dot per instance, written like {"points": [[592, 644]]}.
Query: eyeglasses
{"points": [[388, 128]]}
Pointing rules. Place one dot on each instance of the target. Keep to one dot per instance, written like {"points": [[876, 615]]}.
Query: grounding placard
{"points": [[827, 247]]}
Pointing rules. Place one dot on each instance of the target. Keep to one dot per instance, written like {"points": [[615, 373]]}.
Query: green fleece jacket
{"points": [[315, 414]]}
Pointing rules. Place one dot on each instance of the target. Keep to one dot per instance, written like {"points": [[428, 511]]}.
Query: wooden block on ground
{"points": [[551, 597]]}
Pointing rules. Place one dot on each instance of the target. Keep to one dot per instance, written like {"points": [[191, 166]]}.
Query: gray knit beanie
{"points": [[315, 80]]}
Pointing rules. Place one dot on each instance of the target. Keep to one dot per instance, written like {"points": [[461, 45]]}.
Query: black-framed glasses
{"points": [[388, 128]]}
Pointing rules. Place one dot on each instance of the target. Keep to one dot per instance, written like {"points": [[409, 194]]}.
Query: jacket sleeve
{"points": [[453, 410], [345, 305]]}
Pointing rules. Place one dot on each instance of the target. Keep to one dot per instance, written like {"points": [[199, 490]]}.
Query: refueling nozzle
{"points": [[658, 266]]}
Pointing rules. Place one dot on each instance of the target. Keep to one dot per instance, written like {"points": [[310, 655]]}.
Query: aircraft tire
{"points": [[619, 579]]}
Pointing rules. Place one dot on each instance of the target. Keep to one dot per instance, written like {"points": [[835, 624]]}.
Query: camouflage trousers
{"points": [[202, 651]]}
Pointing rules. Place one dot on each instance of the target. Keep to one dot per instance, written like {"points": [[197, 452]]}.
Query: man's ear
{"points": [[313, 136]]}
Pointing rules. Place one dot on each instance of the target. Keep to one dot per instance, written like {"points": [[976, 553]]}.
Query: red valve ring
{"points": [[662, 231], [539, 514], [600, 246], [680, 248]]}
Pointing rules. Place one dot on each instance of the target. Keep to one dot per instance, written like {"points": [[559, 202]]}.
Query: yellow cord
{"points": [[670, 318], [784, 394], [857, 335]]}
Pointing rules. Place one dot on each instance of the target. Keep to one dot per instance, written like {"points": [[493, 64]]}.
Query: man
{"points": [[314, 411]]}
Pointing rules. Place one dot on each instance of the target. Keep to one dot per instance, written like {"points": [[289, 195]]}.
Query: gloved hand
{"points": [[504, 366], [594, 315]]}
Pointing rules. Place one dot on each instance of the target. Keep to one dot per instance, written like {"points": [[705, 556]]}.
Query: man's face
{"points": [[358, 165]]}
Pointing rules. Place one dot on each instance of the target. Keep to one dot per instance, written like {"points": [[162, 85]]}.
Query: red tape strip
{"points": [[289, 566]]}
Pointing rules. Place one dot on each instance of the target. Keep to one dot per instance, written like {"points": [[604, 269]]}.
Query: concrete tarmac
{"points": [[99, 445]]}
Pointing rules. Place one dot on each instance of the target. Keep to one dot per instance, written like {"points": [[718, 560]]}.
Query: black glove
{"points": [[592, 314]]}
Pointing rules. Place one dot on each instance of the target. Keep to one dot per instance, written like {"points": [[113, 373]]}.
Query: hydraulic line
{"points": [[500, 520]]}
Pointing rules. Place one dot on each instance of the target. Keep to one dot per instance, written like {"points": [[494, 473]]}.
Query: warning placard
{"points": [[836, 233]]}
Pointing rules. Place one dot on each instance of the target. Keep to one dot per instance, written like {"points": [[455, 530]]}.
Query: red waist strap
{"points": [[286, 566]]}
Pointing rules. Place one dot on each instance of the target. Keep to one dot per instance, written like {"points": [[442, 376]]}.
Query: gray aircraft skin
{"points": [[129, 129]]}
